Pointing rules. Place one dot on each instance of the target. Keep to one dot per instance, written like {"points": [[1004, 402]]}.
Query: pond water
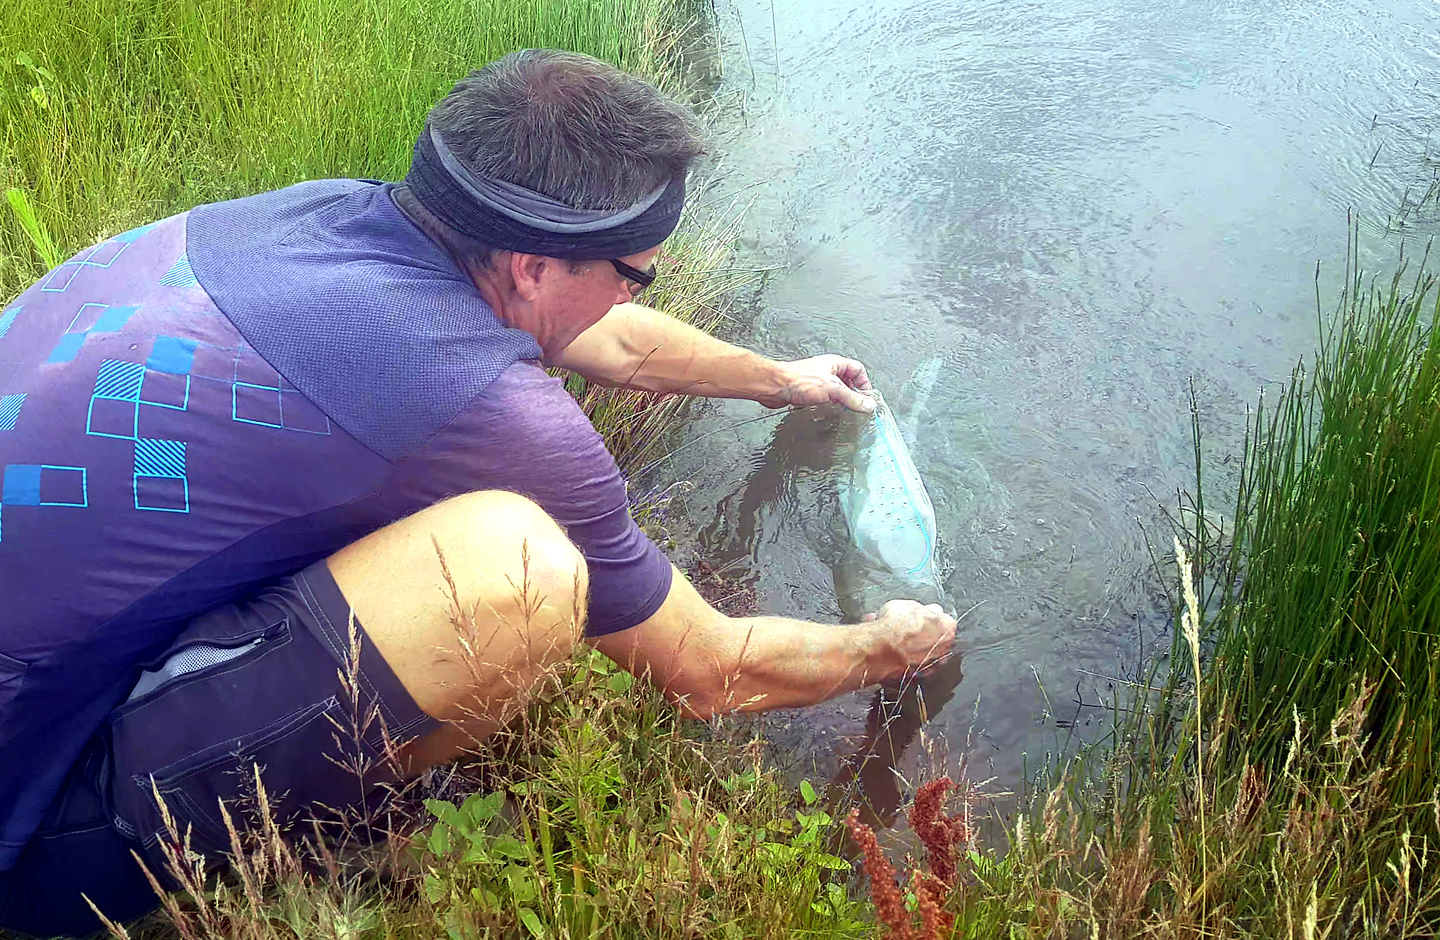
{"points": [[1078, 208]]}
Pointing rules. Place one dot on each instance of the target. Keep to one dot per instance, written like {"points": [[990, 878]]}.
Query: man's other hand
{"points": [[919, 635], [822, 379]]}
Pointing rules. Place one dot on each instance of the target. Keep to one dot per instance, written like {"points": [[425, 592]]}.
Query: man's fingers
{"points": [[847, 396], [852, 373]]}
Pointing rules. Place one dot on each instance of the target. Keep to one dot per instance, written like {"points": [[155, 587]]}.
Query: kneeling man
{"points": [[238, 443]]}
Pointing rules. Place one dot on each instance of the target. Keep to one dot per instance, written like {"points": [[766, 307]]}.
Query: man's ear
{"points": [[526, 271]]}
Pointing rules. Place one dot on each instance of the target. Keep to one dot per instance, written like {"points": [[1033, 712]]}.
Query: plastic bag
{"points": [[891, 519]]}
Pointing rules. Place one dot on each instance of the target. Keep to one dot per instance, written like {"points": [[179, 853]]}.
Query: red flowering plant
{"points": [[941, 835]]}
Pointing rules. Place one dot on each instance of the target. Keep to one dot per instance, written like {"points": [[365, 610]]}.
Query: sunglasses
{"points": [[639, 280]]}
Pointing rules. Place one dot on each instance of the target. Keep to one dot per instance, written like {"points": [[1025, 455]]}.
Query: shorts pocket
{"points": [[193, 659], [285, 753], [235, 691]]}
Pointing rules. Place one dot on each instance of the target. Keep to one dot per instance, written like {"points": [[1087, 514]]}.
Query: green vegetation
{"points": [[118, 112], [1335, 570], [1285, 786]]}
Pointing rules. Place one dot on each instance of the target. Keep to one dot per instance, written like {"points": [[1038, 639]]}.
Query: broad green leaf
{"points": [[445, 812], [522, 883], [808, 793], [481, 809], [531, 922], [507, 846], [831, 862]]}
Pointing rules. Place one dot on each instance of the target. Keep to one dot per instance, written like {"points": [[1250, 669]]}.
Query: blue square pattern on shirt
{"points": [[180, 274], [115, 405], [97, 256], [172, 354], [45, 485], [7, 320], [67, 348], [113, 318], [107, 319], [27, 484], [22, 485], [159, 482]]}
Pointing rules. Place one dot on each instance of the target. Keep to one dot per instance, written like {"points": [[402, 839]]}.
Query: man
{"points": [[240, 444]]}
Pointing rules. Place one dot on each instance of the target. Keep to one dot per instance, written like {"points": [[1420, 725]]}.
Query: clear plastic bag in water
{"points": [[891, 519]]}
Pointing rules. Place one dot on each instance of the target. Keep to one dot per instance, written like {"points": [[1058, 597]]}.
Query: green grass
{"points": [[1335, 566], [118, 112]]}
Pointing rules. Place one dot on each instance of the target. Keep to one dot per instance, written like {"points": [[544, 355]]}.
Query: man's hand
{"points": [[821, 379], [918, 635]]}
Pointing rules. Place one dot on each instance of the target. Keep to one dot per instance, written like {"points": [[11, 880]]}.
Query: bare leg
{"points": [[467, 647]]}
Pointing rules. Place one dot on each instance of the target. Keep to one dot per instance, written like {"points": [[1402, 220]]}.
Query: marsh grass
{"points": [[118, 112], [1334, 573]]}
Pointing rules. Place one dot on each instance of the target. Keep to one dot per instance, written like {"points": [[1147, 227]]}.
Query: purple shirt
{"points": [[199, 406]]}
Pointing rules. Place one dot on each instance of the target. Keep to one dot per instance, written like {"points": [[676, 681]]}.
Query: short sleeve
{"points": [[526, 434]]}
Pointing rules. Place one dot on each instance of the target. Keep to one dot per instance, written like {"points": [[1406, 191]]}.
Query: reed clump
{"points": [[1276, 776], [1334, 573]]}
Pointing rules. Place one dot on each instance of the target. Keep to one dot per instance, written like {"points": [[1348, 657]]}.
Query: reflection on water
{"points": [[1078, 208]]}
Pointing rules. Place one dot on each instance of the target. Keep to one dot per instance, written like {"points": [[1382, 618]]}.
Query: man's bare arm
{"points": [[635, 347], [708, 663]]}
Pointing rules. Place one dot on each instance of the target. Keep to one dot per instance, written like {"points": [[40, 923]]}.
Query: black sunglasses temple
{"points": [[643, 278]]}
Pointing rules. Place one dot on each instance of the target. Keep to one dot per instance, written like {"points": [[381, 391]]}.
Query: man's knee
{"points": [[517, 535], [469, 601]]}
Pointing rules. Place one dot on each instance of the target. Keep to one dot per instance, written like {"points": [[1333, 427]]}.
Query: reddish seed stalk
{"points": [[940, 834], [889, 904]]}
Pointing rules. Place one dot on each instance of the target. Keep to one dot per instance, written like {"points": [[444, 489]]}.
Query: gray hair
{"points": [[569, 126]]}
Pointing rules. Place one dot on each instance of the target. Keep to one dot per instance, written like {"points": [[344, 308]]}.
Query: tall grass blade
{"points": [[39, 237]]}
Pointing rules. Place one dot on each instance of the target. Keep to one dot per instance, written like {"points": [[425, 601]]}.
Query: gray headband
{"points": [[511, 217], [536, 210]]}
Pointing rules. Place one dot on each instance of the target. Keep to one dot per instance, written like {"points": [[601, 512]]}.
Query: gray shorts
{"points": [[268, 682]]}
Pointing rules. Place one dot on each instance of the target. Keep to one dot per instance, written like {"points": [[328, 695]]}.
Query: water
{"points": [[1079, 208]]}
